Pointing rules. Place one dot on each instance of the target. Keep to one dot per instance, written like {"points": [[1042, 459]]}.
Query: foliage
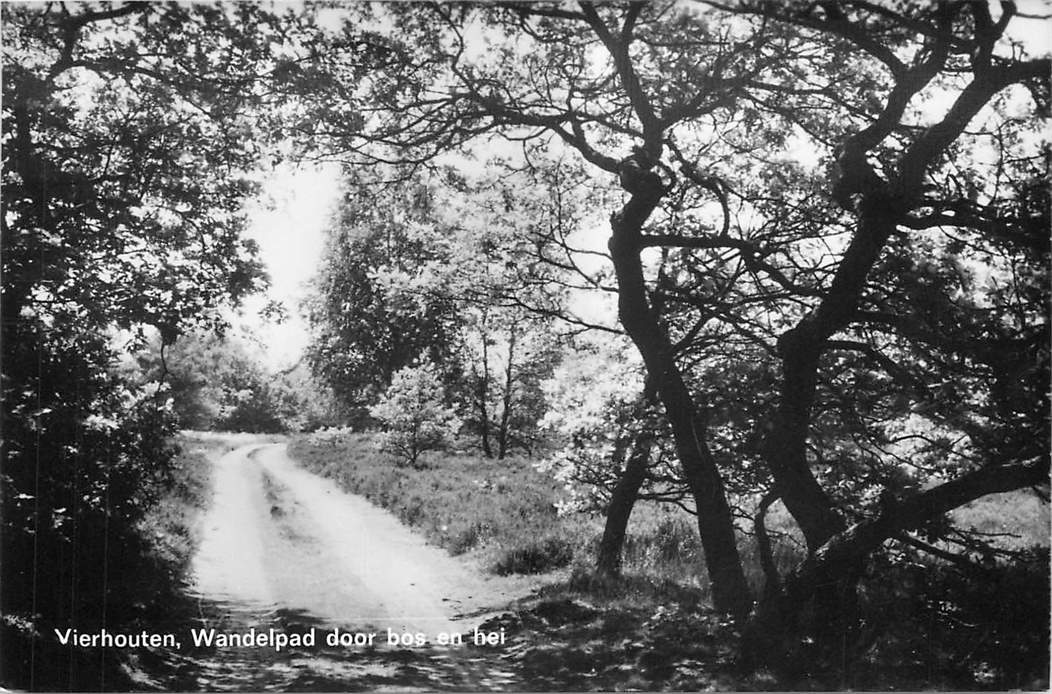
{"points": [[308, 404], [976, 627], [216, 381], [491, 263], [447, 279], [505, 355], [212, 382], [597, 411], [363, 334], [414, 414]]}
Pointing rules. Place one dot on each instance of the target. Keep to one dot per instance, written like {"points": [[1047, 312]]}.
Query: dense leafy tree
{"points": [[216, 382], [364, 333], [494, 267], [506, 357], [457, 268]]}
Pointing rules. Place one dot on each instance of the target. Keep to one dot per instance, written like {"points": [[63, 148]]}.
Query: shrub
{"points": [[414, 414], [535, 557]]}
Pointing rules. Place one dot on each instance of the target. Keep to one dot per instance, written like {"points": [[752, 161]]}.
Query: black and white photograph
{"points": [[681, 345]]}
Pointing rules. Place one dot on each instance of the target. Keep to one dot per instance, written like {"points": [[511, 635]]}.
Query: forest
{"points": [[780, 269]]}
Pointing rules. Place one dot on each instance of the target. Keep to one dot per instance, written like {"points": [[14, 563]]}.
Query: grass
{"points": [[502, 511], [505, 511], [1017, 519]]}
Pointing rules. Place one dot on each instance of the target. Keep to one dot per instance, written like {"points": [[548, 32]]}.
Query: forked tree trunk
{"points": [[730, 591]]}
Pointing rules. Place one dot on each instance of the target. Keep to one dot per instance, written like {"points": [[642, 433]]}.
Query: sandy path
{"points": [[279, 536]]}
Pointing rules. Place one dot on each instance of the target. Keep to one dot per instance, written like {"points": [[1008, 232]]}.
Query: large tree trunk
{"points": [[831, 590], [800, 349], [730, 591]]}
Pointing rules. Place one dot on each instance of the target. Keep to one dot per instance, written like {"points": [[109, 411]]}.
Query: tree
{"points": [[477, 97], [610, 459], [509, 297], [898, 189], [465, 280], [124, 167], [218, 382], [507, 355], [363, 333]]}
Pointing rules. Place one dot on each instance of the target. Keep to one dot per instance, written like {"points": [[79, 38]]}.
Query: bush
{"points": [[978, 628], [535, 557], [414, 414]]}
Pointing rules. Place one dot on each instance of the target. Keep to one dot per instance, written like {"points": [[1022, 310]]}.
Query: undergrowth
{"points": [[170, 529], [922, 623], [146, 566]]}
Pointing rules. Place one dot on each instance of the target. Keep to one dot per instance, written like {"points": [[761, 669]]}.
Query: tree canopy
{"points": [[849, 195], [827, 236]]}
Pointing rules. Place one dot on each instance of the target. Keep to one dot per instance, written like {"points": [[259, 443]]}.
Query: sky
{"points": [[288, 220]]}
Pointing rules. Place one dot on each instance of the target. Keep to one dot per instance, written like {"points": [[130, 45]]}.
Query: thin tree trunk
{"points": [[482, 394], [625, 493], [622, 500], [505, 415], [730, 590], [772, 581]]}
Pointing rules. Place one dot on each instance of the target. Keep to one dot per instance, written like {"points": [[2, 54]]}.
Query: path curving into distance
{"points": [[279, 537]]}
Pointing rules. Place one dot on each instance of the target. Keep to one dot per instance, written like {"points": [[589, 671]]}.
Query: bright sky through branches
{"points": [[288, 220]]}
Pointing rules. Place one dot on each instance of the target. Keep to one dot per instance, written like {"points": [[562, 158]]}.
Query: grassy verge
{"points": [[126, 584], [1015, 520], [501, 511], [504, 512], [170, 528]]}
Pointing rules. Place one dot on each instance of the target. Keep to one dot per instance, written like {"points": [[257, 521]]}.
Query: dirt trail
{"points": [[280, 537]]}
